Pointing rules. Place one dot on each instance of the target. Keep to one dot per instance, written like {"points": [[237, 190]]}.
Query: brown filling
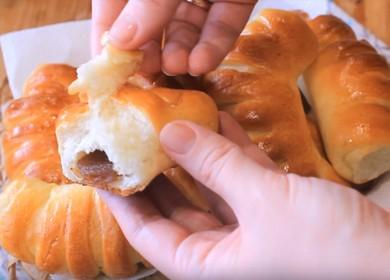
{"points": [[97, 170]]}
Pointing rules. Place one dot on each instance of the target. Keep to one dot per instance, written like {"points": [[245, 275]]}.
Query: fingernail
{"points": [[122, 32], [193, 75], [166, 73], [177, 138]]}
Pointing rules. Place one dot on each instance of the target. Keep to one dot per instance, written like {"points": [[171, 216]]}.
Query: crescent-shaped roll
{"points": [[112, 141], [257, 84], [349, 87], [63, 229]]}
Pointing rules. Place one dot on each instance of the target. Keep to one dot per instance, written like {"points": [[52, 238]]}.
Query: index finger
{"points": [[104, 13], [160, 240], [140, 21], [147, 231], [224, 23]]}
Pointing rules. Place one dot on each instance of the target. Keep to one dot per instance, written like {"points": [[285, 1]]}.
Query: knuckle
{"points": [[226, 29], [183, 33], [140, 224], [215, 162]]}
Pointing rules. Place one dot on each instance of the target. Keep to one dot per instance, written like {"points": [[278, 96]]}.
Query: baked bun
{"points": [[29, 146], [117, 147], [330, 29], [112, 142], [257, 84], [349, 86], [45, 221], [49, 79], [63, 229]]}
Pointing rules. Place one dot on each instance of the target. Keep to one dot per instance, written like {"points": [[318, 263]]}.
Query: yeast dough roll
{"points": [[257, 84], [349, 86], [112, 141], [45, 221]]}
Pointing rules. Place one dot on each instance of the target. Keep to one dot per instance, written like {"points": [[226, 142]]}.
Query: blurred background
{"points": [[374, 14]]}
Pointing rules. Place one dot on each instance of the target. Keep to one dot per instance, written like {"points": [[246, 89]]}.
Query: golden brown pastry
{"points": [[60, 228], [63, 229], [29, 144], [330, 29], [257, 85], [32, 211], [349, 86], [112, 142], [49, 78]]}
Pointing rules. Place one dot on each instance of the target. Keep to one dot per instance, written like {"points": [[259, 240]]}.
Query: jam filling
{"points": [[97, 170]]}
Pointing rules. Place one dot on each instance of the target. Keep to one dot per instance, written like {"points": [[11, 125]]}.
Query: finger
{"points": [[152, 57], [219, 207], [104, 13], [140, 21], [221, 165], [173, 205], [182, 35], [146, 230], [165, 196], [231, 129], [158, 239], [224, 24], [235, 133], [194, 219], [187, 186]]}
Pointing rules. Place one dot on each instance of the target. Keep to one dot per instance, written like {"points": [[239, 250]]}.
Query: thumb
{"points": [[221, 166]]}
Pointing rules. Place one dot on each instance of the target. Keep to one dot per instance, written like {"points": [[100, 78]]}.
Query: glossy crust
{"points": [[60, 228], [349, 85], [330, 29], [49, 79], [159, 105], [29, 144], [63, 229], [163, 105], [256, 84], [57, 227]]}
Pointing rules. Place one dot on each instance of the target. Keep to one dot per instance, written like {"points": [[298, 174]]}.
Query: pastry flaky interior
{"points": [[112, 140], [257, 84], [59, 227], [349, 86]]}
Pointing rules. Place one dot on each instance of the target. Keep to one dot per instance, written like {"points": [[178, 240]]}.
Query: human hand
{"points": [[196, 40], [287, 226]]}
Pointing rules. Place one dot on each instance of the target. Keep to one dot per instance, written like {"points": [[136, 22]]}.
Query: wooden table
{"points": [[21, 14]]}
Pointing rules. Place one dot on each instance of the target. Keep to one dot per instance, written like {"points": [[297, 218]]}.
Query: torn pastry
{"points": [[112, 141]]}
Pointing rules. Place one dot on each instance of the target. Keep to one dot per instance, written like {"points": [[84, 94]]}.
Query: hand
{"points": [[287, 226], [196, 40]]}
